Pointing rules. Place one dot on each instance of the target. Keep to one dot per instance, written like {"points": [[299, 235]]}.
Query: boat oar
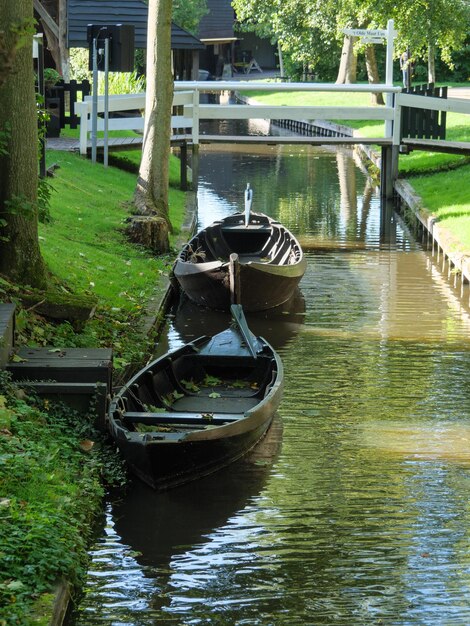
{"points": [[234, 277], [239, 317], [248, 203]]}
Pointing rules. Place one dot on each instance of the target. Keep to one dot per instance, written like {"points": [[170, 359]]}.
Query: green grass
{"points": [[84, 244], [51, 481], [446, 196], [87, 253], [51, 477]]}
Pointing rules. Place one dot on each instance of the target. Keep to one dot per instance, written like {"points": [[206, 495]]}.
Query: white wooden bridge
{"points": [[186, 125]]}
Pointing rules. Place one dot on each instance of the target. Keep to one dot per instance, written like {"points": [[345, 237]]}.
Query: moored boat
{"points": [[198, 408], [250, 259]]}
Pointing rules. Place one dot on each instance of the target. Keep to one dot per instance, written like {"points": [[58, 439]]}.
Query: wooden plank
{"points": [[7, 328], [63, 365], [47, 18], [248, 85], [437, 145], [292, 140], [454, 105], [242, 111], [215, 419]]}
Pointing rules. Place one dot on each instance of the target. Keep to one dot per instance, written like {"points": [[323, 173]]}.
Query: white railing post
{"points": [[82, 110], [195, 131], [389, 73]]}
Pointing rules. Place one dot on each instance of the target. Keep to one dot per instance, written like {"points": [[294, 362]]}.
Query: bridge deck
{"points": [[294, 139], [437, 145], [125, 143]]}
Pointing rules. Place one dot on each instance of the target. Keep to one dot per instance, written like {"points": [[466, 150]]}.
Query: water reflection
{"points": [[148, 535], [278, 325]]}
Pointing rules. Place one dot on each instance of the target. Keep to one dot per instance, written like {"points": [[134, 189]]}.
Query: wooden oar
{"points": [[239, 317], [248, 203]]}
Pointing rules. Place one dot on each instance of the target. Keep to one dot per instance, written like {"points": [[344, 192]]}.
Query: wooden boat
{"points": [[199, 408], [250, 259]]}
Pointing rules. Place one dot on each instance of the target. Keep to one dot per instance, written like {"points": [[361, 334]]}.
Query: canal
{"points": [[355, 508]]}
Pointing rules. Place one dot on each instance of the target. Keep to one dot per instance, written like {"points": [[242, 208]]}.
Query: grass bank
{"points": [[442, 180], [54, 467]]}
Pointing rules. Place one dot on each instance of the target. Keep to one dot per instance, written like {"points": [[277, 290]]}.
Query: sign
{"points": [[362, 32], [372, 40]]}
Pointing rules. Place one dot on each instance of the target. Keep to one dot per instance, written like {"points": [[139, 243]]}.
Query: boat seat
{"points": [[210, 419]]}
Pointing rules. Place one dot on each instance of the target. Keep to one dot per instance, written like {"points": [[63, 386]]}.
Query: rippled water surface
{"points": [[355, 509]]}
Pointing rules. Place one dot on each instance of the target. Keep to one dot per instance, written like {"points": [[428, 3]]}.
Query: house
{"points": [[65, 26], [219, 48], [228, 48]]}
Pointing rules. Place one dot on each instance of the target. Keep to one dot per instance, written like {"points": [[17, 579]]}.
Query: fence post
{"points": [[396, 138], [195, 132], [82, 109]]}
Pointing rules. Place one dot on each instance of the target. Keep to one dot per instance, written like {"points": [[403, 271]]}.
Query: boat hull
{"points": [[260, 289], [164, 465], [258, 266]]}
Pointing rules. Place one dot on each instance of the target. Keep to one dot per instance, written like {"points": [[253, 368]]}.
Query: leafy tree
{"points": [[309, 30], [428, 25], [305, 30], [151, 195], [188, 13], [20, 257]]}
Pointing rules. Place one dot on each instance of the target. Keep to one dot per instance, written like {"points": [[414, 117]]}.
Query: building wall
{"points": [[250, 45]]}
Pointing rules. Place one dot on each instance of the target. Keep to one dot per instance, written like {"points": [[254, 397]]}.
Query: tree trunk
{"points": [[348, 65], [431, 63], [151, 194], [20, 257], [64, 51], [373, 73]]}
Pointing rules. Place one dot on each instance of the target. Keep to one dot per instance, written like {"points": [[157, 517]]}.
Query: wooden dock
{"points": [[79, 377]]}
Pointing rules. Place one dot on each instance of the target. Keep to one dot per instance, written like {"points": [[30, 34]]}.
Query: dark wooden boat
{"points": [[199, 408], [254, 261]]}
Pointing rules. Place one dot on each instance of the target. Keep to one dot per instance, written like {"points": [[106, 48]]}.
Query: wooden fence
{"points": [[56, 105], [422, 123]]}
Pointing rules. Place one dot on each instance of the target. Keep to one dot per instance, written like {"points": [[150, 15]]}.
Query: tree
{"points": [[308, 29], [429, 25], [188, 13], [151, 194], [20, 257], [305, 30]]}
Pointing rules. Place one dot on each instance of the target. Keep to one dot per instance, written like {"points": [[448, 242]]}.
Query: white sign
{"points": [[372, 40], [362, 32]]}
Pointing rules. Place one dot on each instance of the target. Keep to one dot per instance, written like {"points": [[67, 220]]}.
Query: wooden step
{"points": [[79, 377], [7, 329]]}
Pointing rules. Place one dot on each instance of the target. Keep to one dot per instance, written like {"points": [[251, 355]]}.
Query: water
{"points": [[354, 510]]}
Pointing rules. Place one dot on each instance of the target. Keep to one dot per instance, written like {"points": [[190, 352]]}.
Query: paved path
{"points": [[459, 92]]}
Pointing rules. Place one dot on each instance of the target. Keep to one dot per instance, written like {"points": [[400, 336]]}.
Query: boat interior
{"points": [[198, 391], [261, 241]]}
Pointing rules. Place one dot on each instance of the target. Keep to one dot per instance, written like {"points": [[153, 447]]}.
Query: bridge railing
{"points": [[128, 102], [187, 97], [273, 112], [449, 105]]}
